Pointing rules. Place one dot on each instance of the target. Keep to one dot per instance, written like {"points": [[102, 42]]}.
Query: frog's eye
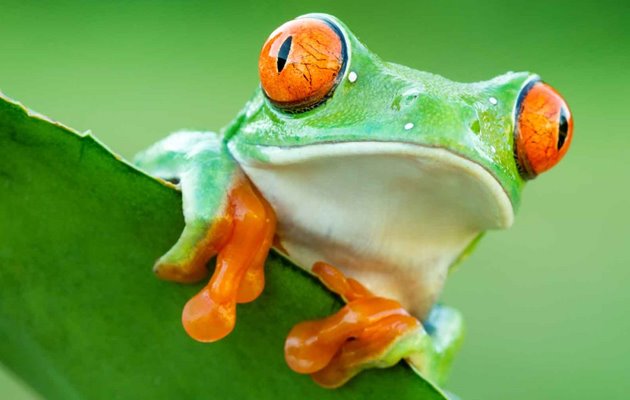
{"points": [[301, 63], [544, 129]]}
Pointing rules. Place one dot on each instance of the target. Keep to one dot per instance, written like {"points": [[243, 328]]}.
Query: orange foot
{"points": [[239, 274], [369, 331]]}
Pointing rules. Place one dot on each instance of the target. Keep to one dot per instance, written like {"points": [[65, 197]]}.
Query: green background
{"points": [[546, 303]]}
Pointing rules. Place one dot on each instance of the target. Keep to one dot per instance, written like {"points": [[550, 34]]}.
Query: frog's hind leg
{"points": [[369, 332], [224, 215], [445, 327]]}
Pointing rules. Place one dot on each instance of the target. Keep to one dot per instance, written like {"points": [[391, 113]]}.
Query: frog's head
{"points": [[324, 96]]}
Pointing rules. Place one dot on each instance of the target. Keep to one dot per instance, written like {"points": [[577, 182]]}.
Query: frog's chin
{"points": [[443, 180], [396, 216]]}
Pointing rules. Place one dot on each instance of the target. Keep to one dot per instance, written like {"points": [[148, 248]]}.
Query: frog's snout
{"points": [[543, 129]]}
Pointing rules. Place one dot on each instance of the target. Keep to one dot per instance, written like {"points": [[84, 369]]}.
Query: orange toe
{"points": [[239, 273], [336, 348], [205, 320]]}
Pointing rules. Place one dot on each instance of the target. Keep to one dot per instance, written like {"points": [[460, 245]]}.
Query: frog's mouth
{"points": [[436, 185]]}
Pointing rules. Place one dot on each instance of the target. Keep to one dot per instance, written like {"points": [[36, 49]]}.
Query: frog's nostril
{"points": [[405, 100], [474, 126], [543, 129]]}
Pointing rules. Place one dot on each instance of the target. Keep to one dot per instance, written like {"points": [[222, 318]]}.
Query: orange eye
{"points": [[544, 129], [301, 63]]}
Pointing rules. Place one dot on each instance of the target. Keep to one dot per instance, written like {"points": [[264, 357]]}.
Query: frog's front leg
{"points": [[370, 332], [225, 216]]}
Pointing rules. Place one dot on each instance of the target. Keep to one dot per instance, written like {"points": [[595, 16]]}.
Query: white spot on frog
{"points": [[352, 76], [493, 101], [408, 125]]}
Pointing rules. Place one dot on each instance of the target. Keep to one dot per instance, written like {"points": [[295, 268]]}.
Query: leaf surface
{"points": [[83, 317]]}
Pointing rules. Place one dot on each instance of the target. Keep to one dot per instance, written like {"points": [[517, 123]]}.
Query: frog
{"points": [[375, 178]]}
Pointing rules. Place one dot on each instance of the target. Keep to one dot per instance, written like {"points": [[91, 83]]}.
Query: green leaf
{"points": [[81, 314]]}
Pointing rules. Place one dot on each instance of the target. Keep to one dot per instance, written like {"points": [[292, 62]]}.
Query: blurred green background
{"points": [[546, 303]]}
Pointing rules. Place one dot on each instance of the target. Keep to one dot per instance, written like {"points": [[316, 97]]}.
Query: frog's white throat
{"points": [[395, 216]]}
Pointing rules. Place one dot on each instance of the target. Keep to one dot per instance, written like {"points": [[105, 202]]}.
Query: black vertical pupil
{"points": [[563, 128], [283, 54]]}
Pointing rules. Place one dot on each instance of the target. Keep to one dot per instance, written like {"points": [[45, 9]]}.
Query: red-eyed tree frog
{"points": [[374, 177]]}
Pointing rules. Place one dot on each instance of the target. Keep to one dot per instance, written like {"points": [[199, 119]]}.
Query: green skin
{"points": [[462, 118]]}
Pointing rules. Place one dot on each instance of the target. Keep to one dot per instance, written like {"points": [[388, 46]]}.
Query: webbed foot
{"points": [[368, 332], [239, 273]]}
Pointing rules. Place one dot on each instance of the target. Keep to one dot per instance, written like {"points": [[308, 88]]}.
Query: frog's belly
{"points": [[392, 219]]}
